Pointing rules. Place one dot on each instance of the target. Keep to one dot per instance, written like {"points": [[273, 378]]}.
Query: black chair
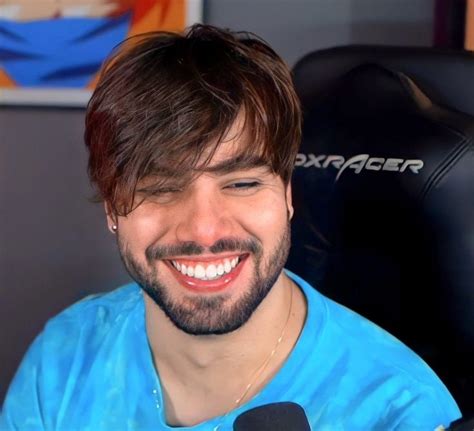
{"points": [[384, 196]]}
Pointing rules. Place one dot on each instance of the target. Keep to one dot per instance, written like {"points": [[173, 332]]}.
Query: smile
{"points": [[207, 270]]}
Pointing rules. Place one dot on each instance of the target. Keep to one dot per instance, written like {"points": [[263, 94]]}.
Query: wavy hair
{"points": [[165, 101]]}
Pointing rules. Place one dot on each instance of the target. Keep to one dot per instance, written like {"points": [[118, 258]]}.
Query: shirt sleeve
{"points": [[22, 407], [431, 410]]}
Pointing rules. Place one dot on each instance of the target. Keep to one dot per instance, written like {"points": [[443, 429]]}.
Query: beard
{"points": [[199, 314]]}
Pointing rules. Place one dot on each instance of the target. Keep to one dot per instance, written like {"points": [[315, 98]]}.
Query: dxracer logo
{"points": [[358, 163]]}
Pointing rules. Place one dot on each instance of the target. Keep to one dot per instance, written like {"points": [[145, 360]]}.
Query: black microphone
{"points": [[273, 417]]}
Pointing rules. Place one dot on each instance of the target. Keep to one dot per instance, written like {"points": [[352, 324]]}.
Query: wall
{"points": [[54, 245], [296, 27]]}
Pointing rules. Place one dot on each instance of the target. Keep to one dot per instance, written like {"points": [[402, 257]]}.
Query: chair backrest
{"points": [[384, 196]]}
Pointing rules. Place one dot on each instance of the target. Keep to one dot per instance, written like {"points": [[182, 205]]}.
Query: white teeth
{"points": [[199, 271], [211, 271]]}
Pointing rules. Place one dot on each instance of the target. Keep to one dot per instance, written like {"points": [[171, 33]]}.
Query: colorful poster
{"points": [[51, 50]]}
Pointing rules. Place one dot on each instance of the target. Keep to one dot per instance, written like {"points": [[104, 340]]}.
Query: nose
{"points": [[204, 218]]}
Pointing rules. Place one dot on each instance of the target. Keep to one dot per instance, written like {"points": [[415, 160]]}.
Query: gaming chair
{"points": [[384, 196]]}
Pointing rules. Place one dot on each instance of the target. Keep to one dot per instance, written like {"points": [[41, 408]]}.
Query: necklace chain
{"points": [[260, 370]]}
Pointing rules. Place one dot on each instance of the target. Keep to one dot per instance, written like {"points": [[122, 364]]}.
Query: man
{"points": [[192, 142]]}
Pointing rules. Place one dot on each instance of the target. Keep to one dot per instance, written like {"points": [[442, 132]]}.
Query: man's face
{"points": [[209, 252]]}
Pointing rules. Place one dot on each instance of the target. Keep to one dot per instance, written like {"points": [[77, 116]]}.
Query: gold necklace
{"points": [[259, 371]]}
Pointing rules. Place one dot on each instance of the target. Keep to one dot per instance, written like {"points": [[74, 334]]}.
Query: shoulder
{"points": [[87, 322], [97, 308], [374, 364], [73, 347], [361, 337]]}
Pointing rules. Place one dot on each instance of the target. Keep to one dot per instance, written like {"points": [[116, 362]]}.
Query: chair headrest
{"points": [[441, 73], [372, 91]]}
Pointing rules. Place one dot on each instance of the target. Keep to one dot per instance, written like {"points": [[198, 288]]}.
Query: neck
{"points": [[226, 364], [190, 353]]}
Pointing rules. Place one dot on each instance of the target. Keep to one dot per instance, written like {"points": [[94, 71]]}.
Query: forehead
{"points": [[237, 150], [234, 143], [226, 159], [229, 157]]}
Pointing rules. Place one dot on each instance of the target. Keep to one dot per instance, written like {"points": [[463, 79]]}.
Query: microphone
{"points": [[284, 416]]}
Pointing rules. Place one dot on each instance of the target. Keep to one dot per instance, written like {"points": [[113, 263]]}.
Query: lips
{"points": [[207, 275]]}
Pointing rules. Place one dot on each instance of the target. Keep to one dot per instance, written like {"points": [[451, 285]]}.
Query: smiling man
{"points": [[192, 141]]}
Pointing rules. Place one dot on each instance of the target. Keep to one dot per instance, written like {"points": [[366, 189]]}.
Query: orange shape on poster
{"points": [[6, 81], [150, 15]]}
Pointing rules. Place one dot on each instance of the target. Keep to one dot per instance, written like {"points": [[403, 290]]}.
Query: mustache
{"points": [[191, 248]]}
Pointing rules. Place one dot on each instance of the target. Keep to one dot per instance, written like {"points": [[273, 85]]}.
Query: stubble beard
{"points": [[210, 315]]}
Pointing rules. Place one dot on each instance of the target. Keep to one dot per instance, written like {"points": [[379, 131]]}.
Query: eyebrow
{"points": [[239, 163]]}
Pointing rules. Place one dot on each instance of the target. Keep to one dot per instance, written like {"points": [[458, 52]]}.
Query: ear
{"points": [[111, 218], [289, 201]]}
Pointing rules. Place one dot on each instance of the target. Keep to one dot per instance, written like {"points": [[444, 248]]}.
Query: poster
{"points": [[51, 50]]}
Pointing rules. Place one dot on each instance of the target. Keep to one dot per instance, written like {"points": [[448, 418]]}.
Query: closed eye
{"points": [[160, 194], [163, 191], [243, 185]]}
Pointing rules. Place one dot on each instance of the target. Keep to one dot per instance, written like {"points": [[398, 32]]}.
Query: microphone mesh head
{"points": [[284, 416]]}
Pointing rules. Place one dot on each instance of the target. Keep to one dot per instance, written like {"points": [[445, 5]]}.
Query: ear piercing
{"points": [[114, 228]]}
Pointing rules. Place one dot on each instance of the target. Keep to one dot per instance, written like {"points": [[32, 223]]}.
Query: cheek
{"points": [[265, 218], [142, 227]]}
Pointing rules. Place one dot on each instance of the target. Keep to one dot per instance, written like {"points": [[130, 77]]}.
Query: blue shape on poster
{"points": [[62, 52]]}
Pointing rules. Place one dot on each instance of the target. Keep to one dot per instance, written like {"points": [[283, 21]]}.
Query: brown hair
{"points": [[165, 101]]}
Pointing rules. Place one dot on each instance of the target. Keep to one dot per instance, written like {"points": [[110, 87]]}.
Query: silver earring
{"points": [[114, 228]]}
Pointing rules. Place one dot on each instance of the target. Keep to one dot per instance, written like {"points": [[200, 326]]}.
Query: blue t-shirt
{"points": [[91, 369]]}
